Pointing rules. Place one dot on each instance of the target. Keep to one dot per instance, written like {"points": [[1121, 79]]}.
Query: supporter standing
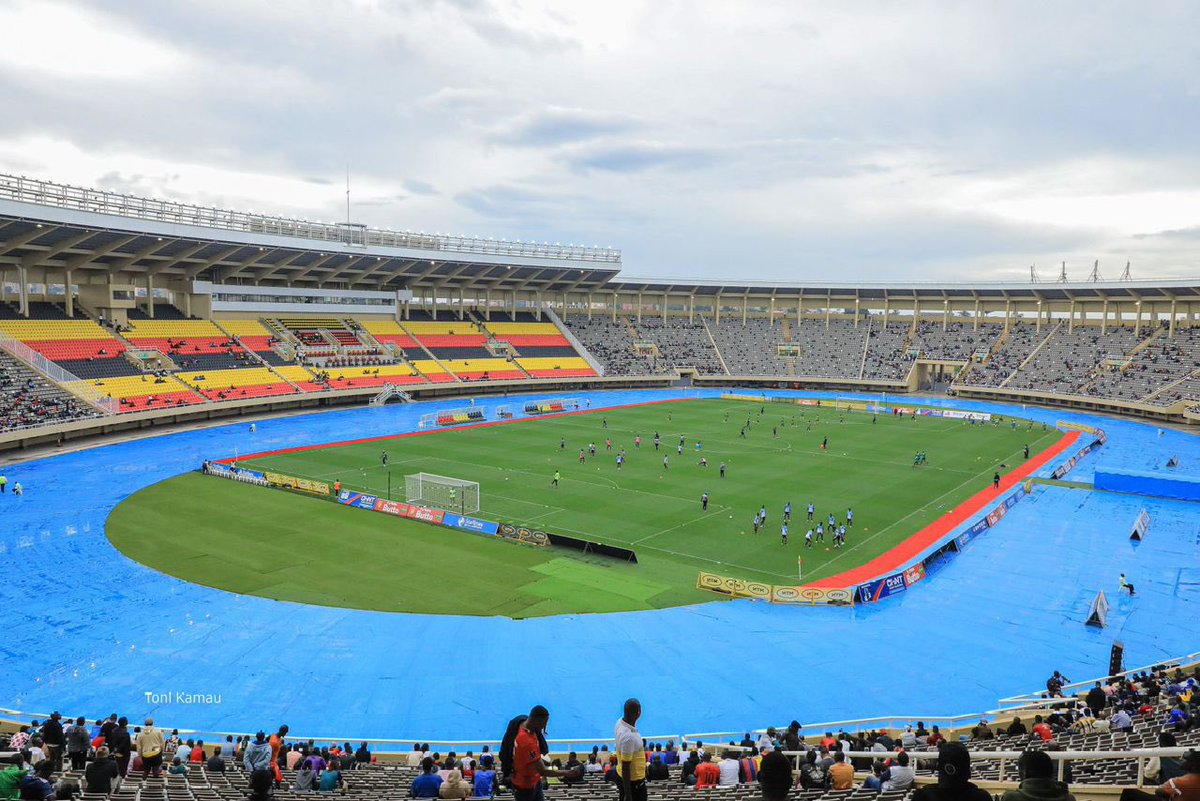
{"points": [[775, 776], [54, 739], [150, 745], [528, 770], [953, 777], [79, 739]]}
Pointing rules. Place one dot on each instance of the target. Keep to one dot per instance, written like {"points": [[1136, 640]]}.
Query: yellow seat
{"points": [[554, 363], [245, 328], [47, 330]]}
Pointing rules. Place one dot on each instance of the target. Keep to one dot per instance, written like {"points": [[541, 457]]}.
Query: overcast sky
{"points": [[790, 141]]}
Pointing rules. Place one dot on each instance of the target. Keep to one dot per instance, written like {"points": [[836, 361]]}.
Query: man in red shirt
{"points": [[528, 768], [707, 773]]}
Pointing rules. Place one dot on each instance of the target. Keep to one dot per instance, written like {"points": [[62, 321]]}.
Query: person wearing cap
{"points": [[791, 738], [100, 775], [1036, 771], [953, 777], [528, 768], [1183, 788], [150, 747]]}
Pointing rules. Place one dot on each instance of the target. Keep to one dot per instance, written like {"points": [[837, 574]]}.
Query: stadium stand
{"points": [[612, 343], [681, 344], [1162, 371], [751, 348], [1068, 359], [255, 337], [957, 341], [1011, 351], [253, 382], [79, 346], [28, 399], [191, 344], [144, 391], [830, 349], [887, 357]]}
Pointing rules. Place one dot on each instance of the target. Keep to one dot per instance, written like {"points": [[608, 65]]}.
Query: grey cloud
{"points": [[633, 157], [419, 187], [556, 125], [1186, 234]]}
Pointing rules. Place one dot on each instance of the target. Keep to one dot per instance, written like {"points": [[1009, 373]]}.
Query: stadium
{"points": [[202, 406]]}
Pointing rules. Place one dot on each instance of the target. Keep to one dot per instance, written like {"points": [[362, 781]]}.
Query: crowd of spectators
{"points": [[27, 399], [681, 344], [59, 758]]}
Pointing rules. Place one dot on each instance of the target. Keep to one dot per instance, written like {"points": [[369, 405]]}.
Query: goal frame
{"points": [[447, 493]]}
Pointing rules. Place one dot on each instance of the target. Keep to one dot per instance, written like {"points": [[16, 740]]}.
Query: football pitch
{"points": [[286, 546]]}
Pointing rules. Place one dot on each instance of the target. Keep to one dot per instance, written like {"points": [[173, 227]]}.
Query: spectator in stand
{"points": [[1054, 684], [775, 776], [982, 732], [1121, 721], [1160, 769], [528, 747], [631, 753], [53, 737], [1042, 729], [707, 773], [791, 738], [485, 777], [363, 755], [39, 785], [1036, 772], [935, 737], [688, 774], [895, 776], [177, 768], [455, 786], [11, 776], [150, 747], [812, 773], [1096, 699], [294, 755], [657, 770], [198, 753], [101, 774], [748, 768], [215, 763], [277, 741], [729, 769], [331, 779], [428, 784], [953, 777], [841, 775], [306, 778], [1016, 728], [258, 754], [121, 744], [79, 740], [1184, 788], [415, 756]]}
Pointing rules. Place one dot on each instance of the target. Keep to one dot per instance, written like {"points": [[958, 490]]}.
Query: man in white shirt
{"points": [[631, 753], [729, 770]]}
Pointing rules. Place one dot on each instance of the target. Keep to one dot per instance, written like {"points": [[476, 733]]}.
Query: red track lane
{"points": [[304, 448], [893, 560]]}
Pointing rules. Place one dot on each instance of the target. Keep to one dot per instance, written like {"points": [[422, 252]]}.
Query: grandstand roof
{"points": [[58, 227], [55, 227]]}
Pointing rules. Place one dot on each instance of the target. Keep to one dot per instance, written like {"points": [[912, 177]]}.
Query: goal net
{"points": [[442, 492], [856, 404]]}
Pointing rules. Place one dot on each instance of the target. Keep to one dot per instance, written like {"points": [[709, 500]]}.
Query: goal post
{"points": [[442, 492]]}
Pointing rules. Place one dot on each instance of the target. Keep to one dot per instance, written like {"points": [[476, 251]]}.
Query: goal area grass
{"points": [[286, 546]]}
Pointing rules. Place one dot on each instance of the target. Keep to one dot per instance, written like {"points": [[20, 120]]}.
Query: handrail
{"points": [[99, 201], [31, 358]]}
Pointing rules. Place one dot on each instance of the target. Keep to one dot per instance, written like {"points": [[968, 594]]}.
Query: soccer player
{"points": [[774, 431], [850, 518], [562, 443], [605, 423], [832, 520], [607, 444], [699, 445], [620, 460], [657, 440], [637, 441], [554, 481], [681, 440], [820, 532], [825, 444], [582, 456], [704, 501], [1027, 451], [783, 533], [591, 449], [666, 464], [811, 509], [841, 533], [787, 511], [762, 512], [679, 450], [703, 462], [722, 470], [383, 457], [757, 522], [808, 539]]}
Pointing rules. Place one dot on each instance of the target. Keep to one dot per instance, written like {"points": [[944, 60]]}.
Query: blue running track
{"points": [[88, 631]]}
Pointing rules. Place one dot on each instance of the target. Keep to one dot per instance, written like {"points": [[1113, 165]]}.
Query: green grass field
{"points": [[281, 545]]}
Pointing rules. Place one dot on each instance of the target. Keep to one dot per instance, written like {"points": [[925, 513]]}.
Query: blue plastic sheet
{"points": [[91, 632], [1179, 486]]}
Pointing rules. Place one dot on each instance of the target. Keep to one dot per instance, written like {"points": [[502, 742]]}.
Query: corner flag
{"points": [[799, 567]]}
